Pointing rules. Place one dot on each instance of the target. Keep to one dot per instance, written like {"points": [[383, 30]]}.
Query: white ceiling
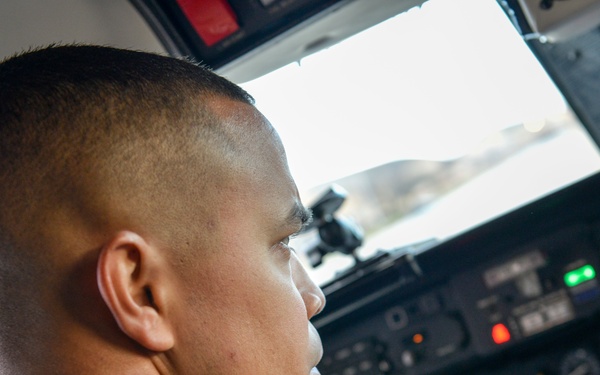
{"points": [[32, 23]]}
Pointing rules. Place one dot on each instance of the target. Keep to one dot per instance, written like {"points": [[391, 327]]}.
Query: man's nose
{"points": [[312, 295], [315, 302]]}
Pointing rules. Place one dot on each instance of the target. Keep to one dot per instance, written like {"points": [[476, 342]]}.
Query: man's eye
{"points": [[286, 241]]}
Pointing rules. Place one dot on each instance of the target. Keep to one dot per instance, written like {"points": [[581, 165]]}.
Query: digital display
{"points": [[513, 268], [544, 313]]}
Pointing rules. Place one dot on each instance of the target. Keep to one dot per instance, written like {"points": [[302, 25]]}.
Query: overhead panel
{"points": [[243, 39]]}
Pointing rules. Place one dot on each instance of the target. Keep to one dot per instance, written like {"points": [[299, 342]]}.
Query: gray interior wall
{"points": [[32, 23]]}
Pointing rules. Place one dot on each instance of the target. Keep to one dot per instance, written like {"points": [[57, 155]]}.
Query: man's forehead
{"points": [[263, 169], [235, 111], [245, 126]]}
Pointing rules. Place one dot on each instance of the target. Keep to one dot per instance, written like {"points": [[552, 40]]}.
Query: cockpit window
{"points": [[434, 121]]}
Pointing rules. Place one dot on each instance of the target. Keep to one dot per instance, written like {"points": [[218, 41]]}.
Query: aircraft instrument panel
{"points": [[520, 295]]}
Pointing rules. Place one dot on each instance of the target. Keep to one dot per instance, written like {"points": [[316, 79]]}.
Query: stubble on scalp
{"points": [[83, 156]]}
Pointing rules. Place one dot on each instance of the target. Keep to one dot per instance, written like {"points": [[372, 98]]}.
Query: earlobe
{"points": [[132, 281]]}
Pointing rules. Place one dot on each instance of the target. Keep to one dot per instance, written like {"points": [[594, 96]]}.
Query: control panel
{"points": [[514, 301], [544, 285], [540, 287]]}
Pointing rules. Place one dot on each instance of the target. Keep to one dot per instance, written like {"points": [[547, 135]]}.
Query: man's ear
{"points": [[133, 282]]}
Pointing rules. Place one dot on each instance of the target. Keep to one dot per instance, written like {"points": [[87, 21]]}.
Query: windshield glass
{"points": [[434, 121]]}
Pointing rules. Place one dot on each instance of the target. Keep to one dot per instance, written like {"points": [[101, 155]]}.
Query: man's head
{"points": [[145, 210]]}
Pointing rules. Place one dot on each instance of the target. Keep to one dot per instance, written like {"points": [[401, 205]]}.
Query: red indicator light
{"points": [[418, 338], [500, 334], [213, 20]]}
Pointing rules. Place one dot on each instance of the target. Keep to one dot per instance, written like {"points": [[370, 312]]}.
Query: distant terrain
{"points": [[384, 194]]}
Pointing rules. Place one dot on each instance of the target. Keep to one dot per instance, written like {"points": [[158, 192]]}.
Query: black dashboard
{"points": [[517, 295]]}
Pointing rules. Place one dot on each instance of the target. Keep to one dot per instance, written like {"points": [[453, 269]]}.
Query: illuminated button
{"points": [[559, 311], [365, 366], [359, 347], [418, 338], [500, 334], [407, 358], [580, 275], [384, 366], [342, 354], [532, 322], [213, 20]]}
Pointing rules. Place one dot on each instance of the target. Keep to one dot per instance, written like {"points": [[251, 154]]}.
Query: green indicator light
{"points": [[580, 275], [589, 273], [572, 279]]}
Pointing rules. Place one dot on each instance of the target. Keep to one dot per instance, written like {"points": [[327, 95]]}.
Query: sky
{"points": [[428, 84]]}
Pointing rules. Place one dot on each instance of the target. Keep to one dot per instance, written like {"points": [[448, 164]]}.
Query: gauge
{"points": [[580, 362]]}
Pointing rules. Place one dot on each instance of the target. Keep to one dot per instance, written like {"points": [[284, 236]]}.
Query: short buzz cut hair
{"points": [[93, 139], [68, 112], [50, 69]]}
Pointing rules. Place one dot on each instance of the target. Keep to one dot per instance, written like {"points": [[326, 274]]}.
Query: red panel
{"points": [[213, 20]]}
